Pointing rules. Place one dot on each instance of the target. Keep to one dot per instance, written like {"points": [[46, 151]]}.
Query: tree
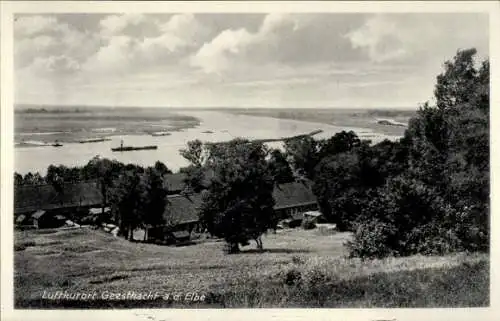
{"points": [[105, 171], [127, 199], [280, 168], [194, 153], [459, 79], [304, 156], [339, 143], [194, 177], [155, 199], [439, 201], [238, 204], [161, 168], [18, 179]]}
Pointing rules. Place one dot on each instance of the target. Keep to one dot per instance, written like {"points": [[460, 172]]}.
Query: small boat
{"points": [[130, 148], [56, 144]]}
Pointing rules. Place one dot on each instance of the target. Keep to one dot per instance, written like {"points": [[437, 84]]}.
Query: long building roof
{"points": [[180, 208]]}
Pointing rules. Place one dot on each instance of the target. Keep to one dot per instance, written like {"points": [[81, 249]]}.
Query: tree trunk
{"points": [[258, 240], [131, 234]]}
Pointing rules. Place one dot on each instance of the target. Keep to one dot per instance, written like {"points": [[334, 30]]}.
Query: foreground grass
{"points": [[299, 269]]}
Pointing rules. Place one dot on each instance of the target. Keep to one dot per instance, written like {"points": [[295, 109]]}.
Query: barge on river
{"points": [[131, 148]]}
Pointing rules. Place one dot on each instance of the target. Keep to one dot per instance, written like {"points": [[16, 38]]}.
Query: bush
{"points": [[372, 240]]}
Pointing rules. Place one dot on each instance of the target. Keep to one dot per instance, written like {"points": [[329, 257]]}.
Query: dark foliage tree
{"points": [[18, 179], [304, 156], [238, 204], [127, 199], [194, 153], [440, 201], [280, 168], [194, 178], [161, 168], [105, 171], [155, 199], [339, 143]]}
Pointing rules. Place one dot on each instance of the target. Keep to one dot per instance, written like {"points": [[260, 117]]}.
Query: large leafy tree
{"points": [[105, 171], [304, 156], [440, 202], [155, 198], [280, 168], [238, 204], [196, 155], [128, 201]]}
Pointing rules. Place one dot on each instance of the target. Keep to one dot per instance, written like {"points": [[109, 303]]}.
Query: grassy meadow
{"points": [[298, 268]]}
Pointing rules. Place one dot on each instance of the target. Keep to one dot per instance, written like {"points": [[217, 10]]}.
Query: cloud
{"points": [[283, 39], [166, 42], [224, 59], [44, 36], [419, 38], [380, 38], [219, 54], [34, 25], [56, 65], [119, 24]]}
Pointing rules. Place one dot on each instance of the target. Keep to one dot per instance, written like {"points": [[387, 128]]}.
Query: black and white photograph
{"points": [[200, 159]]}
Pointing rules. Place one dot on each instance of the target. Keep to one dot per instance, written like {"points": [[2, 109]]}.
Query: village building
{"points": [[181, 215], [31, 198]]}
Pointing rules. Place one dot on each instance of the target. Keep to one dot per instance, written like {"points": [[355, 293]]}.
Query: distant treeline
{"points": [[43, 110]]}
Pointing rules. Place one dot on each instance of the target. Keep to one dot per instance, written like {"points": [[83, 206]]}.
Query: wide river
{"points": [[225, 126]]}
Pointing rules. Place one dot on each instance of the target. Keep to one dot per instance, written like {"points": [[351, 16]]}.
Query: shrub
{"points": [[372, 240]]}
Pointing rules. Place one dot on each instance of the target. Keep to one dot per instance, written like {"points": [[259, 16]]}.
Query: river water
{"points": [[225, 126]]}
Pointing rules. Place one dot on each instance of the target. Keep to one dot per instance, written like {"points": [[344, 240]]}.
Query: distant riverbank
{"points": [[395, 120], [35, 127]]}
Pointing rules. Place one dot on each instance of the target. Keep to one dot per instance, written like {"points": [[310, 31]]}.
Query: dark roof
{"points": [[182, 208], [28, 198], [293, 194], [174, 182]]}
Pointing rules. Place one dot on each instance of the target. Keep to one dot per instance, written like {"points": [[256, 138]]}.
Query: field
{"points": [[299, 268], [361, 118]]}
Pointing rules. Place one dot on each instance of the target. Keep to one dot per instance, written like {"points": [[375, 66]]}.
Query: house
{"points": [[181, 218], [43, 219], [31, 198], [292, 200]]}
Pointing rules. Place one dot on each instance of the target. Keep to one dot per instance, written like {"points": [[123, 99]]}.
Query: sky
{"points": [[238, 60]]}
